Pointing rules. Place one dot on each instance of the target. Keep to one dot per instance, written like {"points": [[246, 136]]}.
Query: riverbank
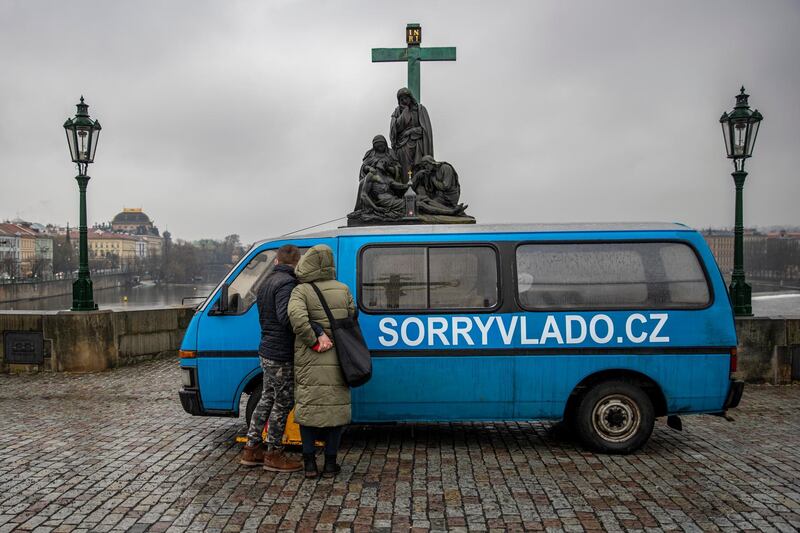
{"points": [[23, 292], [119, 298]]}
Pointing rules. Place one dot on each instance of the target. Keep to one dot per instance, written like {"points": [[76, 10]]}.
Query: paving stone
{"points": [[114, 451]]}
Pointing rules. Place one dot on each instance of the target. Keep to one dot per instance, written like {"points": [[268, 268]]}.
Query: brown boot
{"points": [[277, 461], [252, 455]]}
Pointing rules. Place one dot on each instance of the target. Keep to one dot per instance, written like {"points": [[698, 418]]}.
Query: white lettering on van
{"points": [[629, 328], [392, 338], [508, 334], [523, 333], [462, 325], [484, 327], [662, 319], [437, 327], [593, 328], [551, 331], [404, 331], [575, 319], [519, 330]]}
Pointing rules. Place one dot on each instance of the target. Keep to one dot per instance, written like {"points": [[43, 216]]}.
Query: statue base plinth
{"points": [[355, 221]]}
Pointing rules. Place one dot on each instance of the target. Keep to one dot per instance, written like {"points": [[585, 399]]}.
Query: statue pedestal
{"points": [[356, 222]]}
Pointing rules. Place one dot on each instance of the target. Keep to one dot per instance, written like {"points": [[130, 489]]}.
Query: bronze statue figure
{"points": [[437, 187], [380, 152], [404, 184], [410, 131], [381, 196]]}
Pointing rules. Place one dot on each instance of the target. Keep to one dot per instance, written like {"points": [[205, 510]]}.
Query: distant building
{"points": [[118, 250], [25, 251], [772, 256], [9, 253], [43, 264], [133, 221], [721, 244]]}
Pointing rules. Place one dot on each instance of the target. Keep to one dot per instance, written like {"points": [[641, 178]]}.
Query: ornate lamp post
{"points": [[82, 135], [740, 127]]}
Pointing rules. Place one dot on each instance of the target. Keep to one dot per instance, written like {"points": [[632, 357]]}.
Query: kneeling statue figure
{"points": [[437, 188]]}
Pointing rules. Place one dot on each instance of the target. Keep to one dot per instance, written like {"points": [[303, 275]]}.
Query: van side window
{"points": [[425, 278], [463, 278], [394, 278], [644, 275], [250, 278]]}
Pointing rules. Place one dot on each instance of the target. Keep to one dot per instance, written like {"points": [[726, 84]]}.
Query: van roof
{"points": [[445, 229]]}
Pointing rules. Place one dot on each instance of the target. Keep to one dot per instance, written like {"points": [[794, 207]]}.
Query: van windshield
{"points": [[250, 278]]}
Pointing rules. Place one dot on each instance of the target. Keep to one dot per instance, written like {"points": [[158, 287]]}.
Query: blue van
{"points": [[605, 326]]}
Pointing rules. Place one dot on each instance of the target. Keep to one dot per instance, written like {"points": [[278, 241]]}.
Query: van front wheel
{"points": [[615, 417], [252, 402]]}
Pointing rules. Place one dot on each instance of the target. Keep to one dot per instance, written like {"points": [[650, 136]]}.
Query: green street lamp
{"points": [[740, 128], [82, 135]]}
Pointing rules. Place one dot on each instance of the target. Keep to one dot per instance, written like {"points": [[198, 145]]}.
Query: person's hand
{"points": [[325, 343]]}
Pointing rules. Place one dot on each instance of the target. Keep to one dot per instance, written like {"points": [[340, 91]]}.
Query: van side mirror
{"points": [[234, 303], [221, 305]]}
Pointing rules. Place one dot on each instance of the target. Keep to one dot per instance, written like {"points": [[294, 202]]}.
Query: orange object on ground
{"points": [[291, 436]]}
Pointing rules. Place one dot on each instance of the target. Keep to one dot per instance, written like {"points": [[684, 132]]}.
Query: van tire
{"points": [[615, 417], [252, 402]]}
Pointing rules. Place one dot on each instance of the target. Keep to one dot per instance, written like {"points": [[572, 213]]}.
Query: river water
{"points": [[783, 303], [119, 298], [786, 303]]}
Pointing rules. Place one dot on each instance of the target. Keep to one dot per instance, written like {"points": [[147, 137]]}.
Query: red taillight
{"points": [[734, 360], [186, 354]]}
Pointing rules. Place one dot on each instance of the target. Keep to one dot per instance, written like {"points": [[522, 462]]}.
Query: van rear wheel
{"points": [[615, 417]]}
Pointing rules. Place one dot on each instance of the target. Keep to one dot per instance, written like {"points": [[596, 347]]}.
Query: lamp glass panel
{"points": [[739, 134], [726, 135], [73, 143], [83, 133], [95, 135], [751, 140]]}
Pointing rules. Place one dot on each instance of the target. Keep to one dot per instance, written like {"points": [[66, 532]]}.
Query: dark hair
{"points": [[288, 254]]}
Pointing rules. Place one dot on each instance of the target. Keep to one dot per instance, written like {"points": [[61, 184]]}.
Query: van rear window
{"points": [[624, 275], [423, 278]]}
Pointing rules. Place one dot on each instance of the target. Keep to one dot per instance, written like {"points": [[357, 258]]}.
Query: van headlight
{"points": [[186, 377]]}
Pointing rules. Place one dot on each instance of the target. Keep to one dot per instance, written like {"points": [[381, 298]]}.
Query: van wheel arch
{"points": [[647, 384], [254, 385]]}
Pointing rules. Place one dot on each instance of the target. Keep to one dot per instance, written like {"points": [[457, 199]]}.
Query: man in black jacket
{"points": [[276, 353]]}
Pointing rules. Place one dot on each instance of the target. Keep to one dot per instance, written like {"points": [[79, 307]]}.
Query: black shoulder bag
{"points": [[354, 356]]}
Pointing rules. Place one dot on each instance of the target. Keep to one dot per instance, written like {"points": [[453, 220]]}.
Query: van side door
{"points": [[416, 299], [227, 342]]}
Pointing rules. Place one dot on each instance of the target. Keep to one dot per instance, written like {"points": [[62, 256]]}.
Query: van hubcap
{"points": [[616, 418]]}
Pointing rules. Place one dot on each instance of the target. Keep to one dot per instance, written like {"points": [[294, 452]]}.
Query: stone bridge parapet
{"points": [[95, 340], [768, 351]]}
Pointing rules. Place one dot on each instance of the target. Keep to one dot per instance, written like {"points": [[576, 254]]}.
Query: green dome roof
{"points": [[131, 216]]}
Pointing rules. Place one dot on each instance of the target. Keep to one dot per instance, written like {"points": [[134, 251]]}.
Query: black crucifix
{"points": [[413, 54]]}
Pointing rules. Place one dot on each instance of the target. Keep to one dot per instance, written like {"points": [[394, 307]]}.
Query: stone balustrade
{"points": [[96, 340]]}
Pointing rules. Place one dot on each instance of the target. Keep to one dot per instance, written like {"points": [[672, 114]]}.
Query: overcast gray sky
{"points": [[252, 117]]}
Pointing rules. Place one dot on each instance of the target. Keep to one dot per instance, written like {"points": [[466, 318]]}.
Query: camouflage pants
{"points": [[277, 399]]}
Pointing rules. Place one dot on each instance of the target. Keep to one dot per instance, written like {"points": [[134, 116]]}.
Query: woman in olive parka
{"points": [[322, 398]]}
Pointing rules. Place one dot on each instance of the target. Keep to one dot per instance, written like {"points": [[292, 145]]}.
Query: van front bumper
{"points": [[190, 400], [734, 394]]}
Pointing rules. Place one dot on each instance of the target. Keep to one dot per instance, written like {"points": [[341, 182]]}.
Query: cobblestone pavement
{"points": [[115, 451]]}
